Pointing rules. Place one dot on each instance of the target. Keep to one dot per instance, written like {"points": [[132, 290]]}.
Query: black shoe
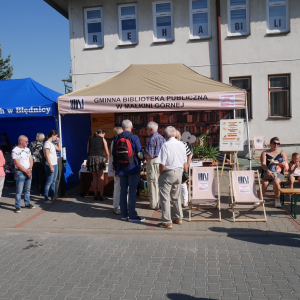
{"points": [[96, 198], [101, 198], [17, 210], [29, 206]]}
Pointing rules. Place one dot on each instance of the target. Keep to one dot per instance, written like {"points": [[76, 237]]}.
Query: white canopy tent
{"points": [[155, 88]]}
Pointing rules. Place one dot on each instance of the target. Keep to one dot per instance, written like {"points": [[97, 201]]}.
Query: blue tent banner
{"points": [[26, 98]]}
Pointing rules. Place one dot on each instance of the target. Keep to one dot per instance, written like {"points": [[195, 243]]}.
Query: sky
{"points": [[37, 37]]}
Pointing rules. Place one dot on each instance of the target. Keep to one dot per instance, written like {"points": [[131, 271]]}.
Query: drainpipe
{"points": [[220, 69]]}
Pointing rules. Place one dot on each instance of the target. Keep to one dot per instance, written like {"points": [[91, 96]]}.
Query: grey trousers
{"points": [[152, 182], [170, 188], [2, 179]]}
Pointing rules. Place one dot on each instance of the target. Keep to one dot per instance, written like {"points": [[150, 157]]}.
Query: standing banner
{"points": [[232, 135]]}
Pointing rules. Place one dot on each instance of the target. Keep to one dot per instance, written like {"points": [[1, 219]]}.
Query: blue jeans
{"points": [[22, 181], [50, 182], [130, 181]]}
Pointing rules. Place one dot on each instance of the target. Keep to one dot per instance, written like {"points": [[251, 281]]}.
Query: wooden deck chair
{"points": [[243, 194], [258, 146], [202, 191]]}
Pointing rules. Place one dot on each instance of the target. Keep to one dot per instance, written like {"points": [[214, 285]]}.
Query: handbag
{"points": [[185, 177]]}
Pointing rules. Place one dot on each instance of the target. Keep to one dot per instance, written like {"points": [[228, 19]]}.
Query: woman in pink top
{"points": [[2, 174]]}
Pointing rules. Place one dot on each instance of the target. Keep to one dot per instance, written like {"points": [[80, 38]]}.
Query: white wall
{"points": [[94, 65], [259, 55]]}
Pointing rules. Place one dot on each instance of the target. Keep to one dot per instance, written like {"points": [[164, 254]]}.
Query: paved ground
{"points": [[83, 215], [78, 249], [52, 266]]}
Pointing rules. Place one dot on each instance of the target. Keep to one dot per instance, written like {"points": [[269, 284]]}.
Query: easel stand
{"points": [[231, 160]]}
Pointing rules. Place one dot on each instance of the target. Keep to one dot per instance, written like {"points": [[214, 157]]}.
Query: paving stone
{"points": [[60, 295]]}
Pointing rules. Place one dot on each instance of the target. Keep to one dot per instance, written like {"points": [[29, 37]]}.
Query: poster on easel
{"points": [[231, 135]]}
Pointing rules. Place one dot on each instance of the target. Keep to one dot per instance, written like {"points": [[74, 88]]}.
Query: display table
{"points": [[86, 183]]}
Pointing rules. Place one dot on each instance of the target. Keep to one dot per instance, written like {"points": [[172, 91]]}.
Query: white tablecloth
{"points": [[84, 170]]}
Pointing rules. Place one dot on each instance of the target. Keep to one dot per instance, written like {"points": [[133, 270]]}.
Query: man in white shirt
{"points": [[172, 160], [21, 156]]}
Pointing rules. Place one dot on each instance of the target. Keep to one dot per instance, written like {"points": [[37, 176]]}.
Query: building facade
{"points": [[257, 42]]}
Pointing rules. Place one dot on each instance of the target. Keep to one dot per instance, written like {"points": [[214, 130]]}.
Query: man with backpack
{"points": [[127, 157]]}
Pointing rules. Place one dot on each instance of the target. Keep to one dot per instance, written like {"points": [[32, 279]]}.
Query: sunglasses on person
{"points": [[274, 143]]}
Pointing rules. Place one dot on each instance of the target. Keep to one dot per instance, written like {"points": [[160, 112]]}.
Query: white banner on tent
{"points": [[140, 103]]}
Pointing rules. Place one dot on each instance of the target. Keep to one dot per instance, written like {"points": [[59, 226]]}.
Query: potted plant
{"points": [[204, 150]]}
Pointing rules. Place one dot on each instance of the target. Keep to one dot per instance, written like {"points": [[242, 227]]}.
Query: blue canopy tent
{"points": [[27, 107]]}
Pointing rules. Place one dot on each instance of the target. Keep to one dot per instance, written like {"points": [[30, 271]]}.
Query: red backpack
{"points": [[124, 150]]}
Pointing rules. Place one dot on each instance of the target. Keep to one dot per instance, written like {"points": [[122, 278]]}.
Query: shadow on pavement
{"points": [[274, 238], [183, 297]]}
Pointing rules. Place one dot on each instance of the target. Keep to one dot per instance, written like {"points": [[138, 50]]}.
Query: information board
{"points": [[231, 135]]}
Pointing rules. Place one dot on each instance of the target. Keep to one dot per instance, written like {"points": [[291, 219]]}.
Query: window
{"points": [[128, 33], [245, 84], [277, 16], [238, 17], [279, 96], [163, 21], [200, 19], [93, 27]]}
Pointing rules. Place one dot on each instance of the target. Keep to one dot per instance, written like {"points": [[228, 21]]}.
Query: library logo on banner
{"points": [[244, 184], [227, 100], [203, 178], [77, 104]]}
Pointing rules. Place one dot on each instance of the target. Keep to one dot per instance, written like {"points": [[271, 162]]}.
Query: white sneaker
{"points": [[277, 203]]}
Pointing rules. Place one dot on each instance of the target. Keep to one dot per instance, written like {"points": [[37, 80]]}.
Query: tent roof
{"points": [[163, 79], [26, 93]]}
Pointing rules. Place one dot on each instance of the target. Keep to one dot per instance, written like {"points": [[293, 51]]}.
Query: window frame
{"points": [[120, 18], [236, 7], [287, 16], [288, 89], [155, 39], [86, 45], [249, 101], [191, 11]]}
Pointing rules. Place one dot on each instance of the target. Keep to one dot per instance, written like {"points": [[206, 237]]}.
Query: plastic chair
{"points": [[202, 191], [243, 194]]}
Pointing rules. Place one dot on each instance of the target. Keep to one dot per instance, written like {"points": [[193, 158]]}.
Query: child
{"points": [[294, 169], [276, 166]]}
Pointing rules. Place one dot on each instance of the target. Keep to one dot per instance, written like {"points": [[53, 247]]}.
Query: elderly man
{"points": [[184, 190], [152, 150], [23, 163], [172, 161], [127, 158]]}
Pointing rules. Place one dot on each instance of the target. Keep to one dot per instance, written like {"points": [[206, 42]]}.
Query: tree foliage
{"points": [[6, 70], [68, 86]]}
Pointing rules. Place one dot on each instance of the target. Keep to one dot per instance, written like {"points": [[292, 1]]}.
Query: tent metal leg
{"points": [[248, 135], [59, 124]]}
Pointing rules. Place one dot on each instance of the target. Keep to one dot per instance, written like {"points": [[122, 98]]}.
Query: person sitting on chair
{"points": [[267, 157]]}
